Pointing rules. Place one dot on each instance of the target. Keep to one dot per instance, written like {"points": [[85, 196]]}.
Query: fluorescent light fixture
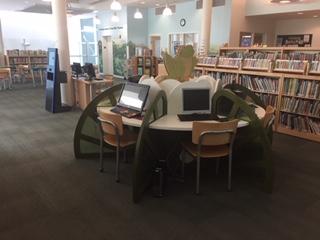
{"points": [[300, 13], [115, 6], [315, 16], [138, 14], [115, 18], [46, 0], [167, 11], [285, 1]]}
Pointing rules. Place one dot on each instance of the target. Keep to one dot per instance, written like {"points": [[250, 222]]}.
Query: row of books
{"points": [[315, 66], [294, 105], [17, 52], [301, 88], [229, 62], [256, 63], [300, 123], [301, 56], [268, 99], [290, 64], [263, 84], [39, 60], [226, 78], [208, 60], [197, 73], [18, 61], [262, 55]]}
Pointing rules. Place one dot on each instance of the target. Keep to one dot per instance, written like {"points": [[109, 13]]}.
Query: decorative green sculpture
{"points": [[181, 66]]}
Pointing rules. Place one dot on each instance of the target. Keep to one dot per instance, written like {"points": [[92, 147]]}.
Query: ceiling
{"points": [[88, 5]]}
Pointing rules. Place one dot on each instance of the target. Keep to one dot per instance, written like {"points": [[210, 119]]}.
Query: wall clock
{"points": [[182, 22]]}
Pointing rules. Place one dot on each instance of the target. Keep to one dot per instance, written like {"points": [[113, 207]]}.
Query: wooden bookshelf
{"points": [[144, 65], [301, 124]]}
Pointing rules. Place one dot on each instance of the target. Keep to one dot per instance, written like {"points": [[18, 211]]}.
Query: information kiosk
{"points": [[54, 78]]}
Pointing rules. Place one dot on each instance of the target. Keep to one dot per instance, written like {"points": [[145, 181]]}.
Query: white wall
{"points": [[137, 28], [241, 23], [36, 28], [300, 26], [164, 25], [263, 7]]}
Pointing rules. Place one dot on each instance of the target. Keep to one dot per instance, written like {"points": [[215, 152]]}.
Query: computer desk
{"points": [[172, 122]]}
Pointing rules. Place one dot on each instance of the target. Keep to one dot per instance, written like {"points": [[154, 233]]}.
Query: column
{"points": [[59, 14], [1, 41], [205, 27]]}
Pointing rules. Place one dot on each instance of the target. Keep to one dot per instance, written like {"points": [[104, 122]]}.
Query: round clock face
{"points": [[182, 22]]}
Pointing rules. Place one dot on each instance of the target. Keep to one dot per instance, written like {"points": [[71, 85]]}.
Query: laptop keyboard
{"points": [[126, 112], [197, 117]]}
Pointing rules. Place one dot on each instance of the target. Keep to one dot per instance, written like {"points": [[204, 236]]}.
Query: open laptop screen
{"points": [[134, 96], [196, 100]]}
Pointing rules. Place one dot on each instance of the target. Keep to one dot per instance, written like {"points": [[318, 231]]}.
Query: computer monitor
{"points": [[196, 100], [134, 96], [89, 69], [76, 68]]}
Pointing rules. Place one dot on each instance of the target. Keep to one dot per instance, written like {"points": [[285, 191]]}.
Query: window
{"points": [[88, 41]]}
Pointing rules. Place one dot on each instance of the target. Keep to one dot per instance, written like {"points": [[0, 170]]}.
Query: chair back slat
{"points": [[268, 116], [116, 119], [218, 136]]}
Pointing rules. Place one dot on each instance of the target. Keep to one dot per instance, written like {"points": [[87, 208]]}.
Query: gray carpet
{"points": [[45, 193]]}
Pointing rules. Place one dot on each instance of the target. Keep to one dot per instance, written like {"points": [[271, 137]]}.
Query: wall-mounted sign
{"points": [[110, 28]]}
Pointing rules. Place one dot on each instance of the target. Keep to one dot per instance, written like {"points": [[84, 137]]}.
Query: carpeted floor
{"points": [[45, 193]]}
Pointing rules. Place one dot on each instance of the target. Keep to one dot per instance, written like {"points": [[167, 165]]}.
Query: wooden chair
{"points": [[268, 121], [113, 133], [212, 140]]}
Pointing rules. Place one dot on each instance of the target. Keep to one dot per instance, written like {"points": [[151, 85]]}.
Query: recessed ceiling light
{"points": [[143, 2], [157, 4], [46, 0], [285, 1], [300, 13], [315, 16]]}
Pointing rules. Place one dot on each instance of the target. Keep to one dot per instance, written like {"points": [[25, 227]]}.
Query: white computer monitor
{"points": [[196, 100]]}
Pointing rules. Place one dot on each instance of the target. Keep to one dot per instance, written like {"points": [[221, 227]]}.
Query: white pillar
{"points": [[205, 27], [59, 14], [1, 41]]}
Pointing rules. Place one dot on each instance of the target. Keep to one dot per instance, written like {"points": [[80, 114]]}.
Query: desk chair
{"points": [[113, 133], [212, 140]]}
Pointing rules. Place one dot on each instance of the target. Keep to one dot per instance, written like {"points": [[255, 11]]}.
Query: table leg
{"points": [[41, 77], [90, 87]]}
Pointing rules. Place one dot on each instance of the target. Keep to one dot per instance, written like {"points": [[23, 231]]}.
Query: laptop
{"points": [[196, 105], [132, 100]]}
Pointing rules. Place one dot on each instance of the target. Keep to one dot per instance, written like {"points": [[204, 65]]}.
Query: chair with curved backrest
{"points": [[268, 120], [212, 140], [113, 133]]}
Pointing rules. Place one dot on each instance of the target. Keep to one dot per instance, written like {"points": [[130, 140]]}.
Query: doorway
{"points": [[107, 55], [155, 46]]}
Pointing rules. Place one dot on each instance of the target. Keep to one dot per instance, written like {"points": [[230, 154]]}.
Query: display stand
{"points": [[53, 83]]}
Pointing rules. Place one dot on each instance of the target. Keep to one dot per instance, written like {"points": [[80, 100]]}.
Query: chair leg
{"points": [[229, 173], [101, 156], [125, 156], [198, 175], [217, 165], [117, 166]]}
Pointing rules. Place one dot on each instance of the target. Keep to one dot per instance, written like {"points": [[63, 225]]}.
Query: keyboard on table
{"points": [[197, 117], [126, 112]]}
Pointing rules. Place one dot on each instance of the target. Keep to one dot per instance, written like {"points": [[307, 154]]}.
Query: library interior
{"points": [[167, 119]]}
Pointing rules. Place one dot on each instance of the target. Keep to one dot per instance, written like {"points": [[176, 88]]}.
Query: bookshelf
{"points": [[23, 61], [144, 65], [286, 78]]}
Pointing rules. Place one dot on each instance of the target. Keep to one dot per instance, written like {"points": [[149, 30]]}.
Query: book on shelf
{"points": [[300, 123], [311, 108], [262, 84], [225, 78], [301, 88], [208, 60], [231, 62], [315, 66], [256, 63], [268, 99], [301, 56], [290, 65]]}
